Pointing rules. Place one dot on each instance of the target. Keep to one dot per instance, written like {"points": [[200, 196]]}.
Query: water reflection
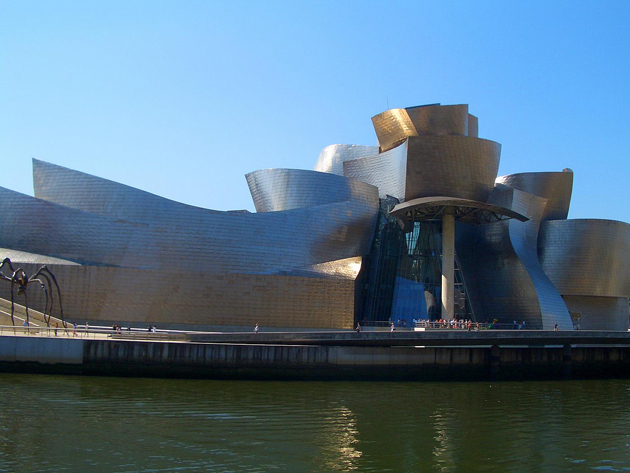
{"points": [[340, 452], [113, 424]]}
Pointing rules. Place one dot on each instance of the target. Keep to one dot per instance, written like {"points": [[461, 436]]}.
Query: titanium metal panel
{"points": [[393, 127], [586, 257], [332, 157], [285, 189], [82, 191], [212, 242], [439, 119], [456, 166], [22, 257], [556, 187], [342, 269], [182, 299], [473, 126], [501, 260], [599, 313], [387, 171]]}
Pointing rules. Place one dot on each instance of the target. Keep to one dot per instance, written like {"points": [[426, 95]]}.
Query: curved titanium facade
{"points": [[332, 157], [387, 171], [393, 127], [502, 270], [440, 119], [211, 242], [556, 187], [396, 125], [585, 257], [456, 166], [100, 196], [285, 189], [145, 258]]}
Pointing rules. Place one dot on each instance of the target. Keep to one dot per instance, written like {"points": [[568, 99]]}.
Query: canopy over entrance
{"points": [[464, 210]]}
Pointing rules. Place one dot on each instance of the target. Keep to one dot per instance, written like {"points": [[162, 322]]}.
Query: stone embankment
{"points": [[339, 355]]}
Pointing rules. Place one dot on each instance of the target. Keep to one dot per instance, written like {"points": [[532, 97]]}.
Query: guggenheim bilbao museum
{"points": [[419, 227]]}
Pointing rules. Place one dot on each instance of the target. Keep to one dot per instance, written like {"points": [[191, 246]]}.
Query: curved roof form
{"points": [[285, 189], [457, 166], [387, 171], [193, 239], [467, 211], [396, 125], [332, 157], [23, 257], [82, 191], [424, 166], [586, 257], [393, 127], [556, 187], [440, 119]]}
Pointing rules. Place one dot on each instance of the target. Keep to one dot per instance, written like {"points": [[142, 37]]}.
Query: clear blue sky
{"points": [[182, 98]]}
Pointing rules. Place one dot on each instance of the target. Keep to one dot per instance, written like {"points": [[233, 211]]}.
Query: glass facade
{"points": [[403, 280]]}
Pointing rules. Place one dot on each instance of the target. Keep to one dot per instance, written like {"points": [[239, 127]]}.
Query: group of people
{"points": [[461, 324]]}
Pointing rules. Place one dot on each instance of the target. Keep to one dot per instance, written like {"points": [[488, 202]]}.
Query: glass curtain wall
{"points": [[404, 273]]}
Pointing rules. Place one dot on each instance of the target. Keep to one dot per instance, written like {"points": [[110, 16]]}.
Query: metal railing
{"points": [[473, 325], [93, 332], [436, 325]]}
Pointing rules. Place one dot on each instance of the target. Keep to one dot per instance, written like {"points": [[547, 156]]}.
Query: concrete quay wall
{"points": [[242, 361]]}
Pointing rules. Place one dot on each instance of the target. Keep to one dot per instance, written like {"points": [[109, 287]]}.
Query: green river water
{"points": [[92, 424]]}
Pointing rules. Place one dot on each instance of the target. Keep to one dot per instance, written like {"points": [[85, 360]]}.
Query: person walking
{"points": [[256, 329], [555, 327], [358, 329]]}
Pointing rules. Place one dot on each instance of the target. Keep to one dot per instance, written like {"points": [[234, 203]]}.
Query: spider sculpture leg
{"points": [[51, 280], [20, 278], [48, 303], [7, 262]]}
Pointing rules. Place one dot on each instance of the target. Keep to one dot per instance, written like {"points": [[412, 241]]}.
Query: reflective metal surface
{"points": [[332, 157], [286, 189], [456, 166], [394, 126], [135, 246], [176, 234], [439, 119], [502, 270], [100, 196], [387, 171], [589, 261], [587, 257], [556, 187]]}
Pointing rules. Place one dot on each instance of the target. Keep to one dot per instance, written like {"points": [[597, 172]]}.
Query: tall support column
{"points": [[448, 264]]}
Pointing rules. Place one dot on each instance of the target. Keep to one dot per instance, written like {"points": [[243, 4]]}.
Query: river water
{"points": [[92, 424]]}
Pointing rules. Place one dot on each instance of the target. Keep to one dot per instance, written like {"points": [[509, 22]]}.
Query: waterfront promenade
{"points": [[404, 355]]}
